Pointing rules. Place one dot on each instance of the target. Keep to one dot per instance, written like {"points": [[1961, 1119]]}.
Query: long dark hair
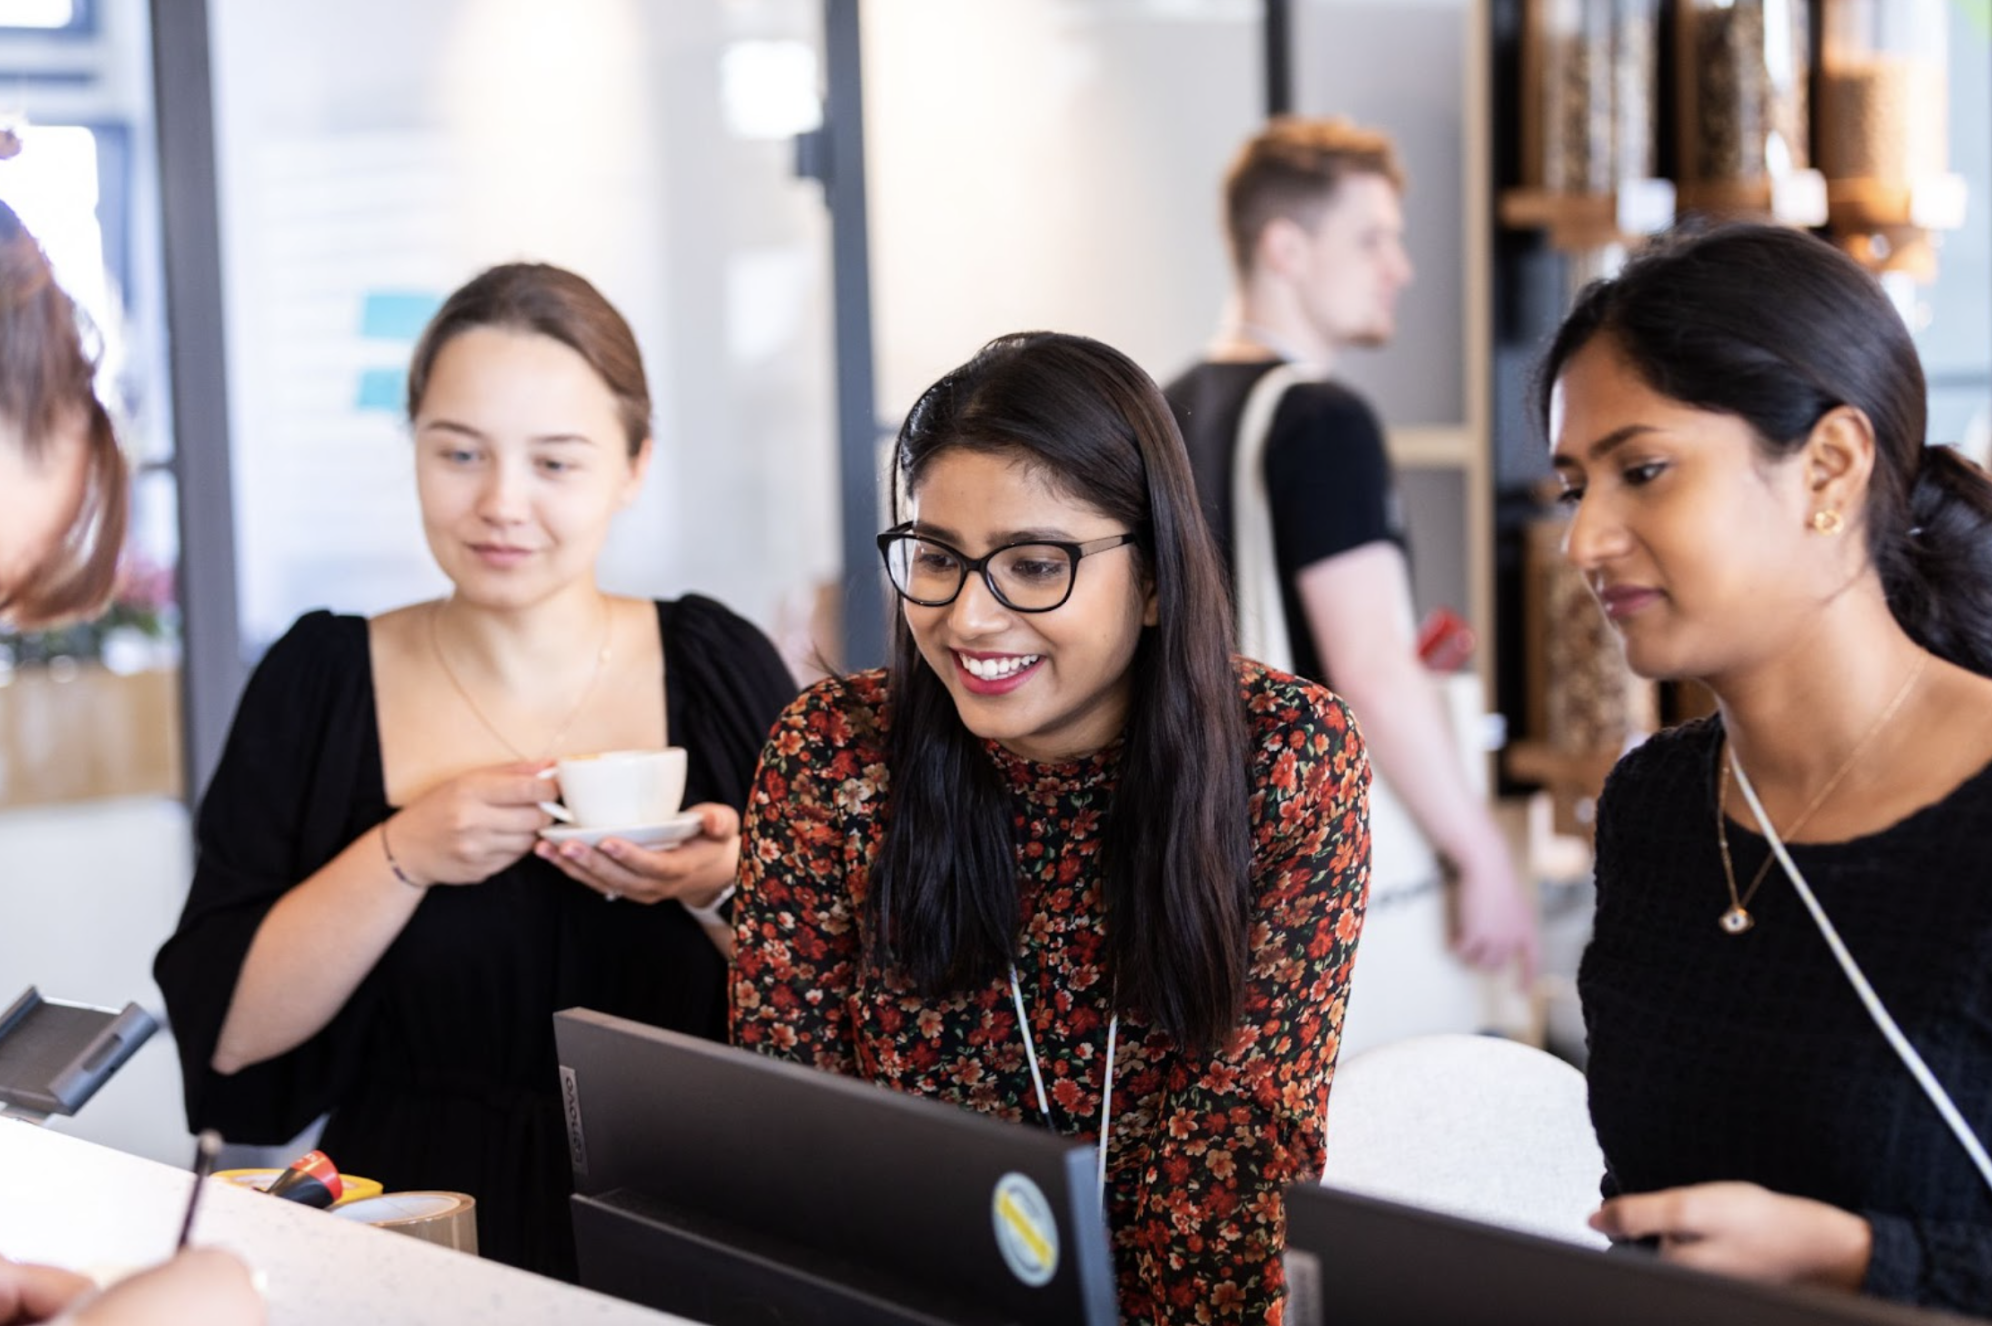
{"points": [[46, 375], [1777, 327], [1175, 854], [552, 301]]}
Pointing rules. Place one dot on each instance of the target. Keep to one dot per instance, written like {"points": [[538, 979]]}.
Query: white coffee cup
{"points": [[623, 789]]}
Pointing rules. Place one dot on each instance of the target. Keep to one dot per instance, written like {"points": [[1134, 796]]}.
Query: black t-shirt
{"points": [[1328, 476]]}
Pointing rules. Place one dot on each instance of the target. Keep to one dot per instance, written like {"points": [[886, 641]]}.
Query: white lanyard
{"points": [[1037, 1078], [1903, 1049]]}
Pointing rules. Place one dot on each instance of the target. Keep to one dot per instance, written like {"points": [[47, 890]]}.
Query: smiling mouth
{"points": [[996, 669]]}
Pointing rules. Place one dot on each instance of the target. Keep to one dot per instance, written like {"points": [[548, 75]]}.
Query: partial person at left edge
{"points": [[376, 928], [63, 497], [64, 489]]}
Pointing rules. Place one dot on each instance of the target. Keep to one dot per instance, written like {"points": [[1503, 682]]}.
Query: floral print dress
{"points": [[1201, 1144]]}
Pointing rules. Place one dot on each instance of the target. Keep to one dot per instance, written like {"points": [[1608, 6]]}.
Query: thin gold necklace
{"points": [[553, 746], [1737, 919]]}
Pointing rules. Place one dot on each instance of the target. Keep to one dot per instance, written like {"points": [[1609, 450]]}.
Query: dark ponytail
{"points": [[1938, 573], [1777, 327]]}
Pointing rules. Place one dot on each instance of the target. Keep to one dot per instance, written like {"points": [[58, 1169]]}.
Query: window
{"points": [[68, 17]]}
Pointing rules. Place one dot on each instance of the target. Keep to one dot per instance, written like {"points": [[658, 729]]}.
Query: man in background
{"points": [[1299, 489]]}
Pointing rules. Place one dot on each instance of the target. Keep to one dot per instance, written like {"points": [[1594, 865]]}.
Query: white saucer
{"points": [[666, 834]]}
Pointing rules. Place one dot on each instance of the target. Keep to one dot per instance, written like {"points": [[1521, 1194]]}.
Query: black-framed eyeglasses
{"points": [[1025, 577]]}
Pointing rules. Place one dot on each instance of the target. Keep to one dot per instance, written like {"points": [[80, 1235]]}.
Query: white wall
{"points": [[1398, 65], [1954, 335], [1045, 165], [88, 893], [416, 145]]}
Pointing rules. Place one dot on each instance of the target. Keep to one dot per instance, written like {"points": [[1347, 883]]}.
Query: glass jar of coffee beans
{"points": [[1743, 70], [1883, 103], [1597, 92]]}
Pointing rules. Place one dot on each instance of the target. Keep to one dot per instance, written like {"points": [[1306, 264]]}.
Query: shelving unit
{"points": [[1843, 131]]}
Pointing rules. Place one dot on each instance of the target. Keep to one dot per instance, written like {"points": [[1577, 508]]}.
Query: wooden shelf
{"points": [[1887, 224], [1796, 199], [1591, 220], [1431, 447], [1884, 224], [1540, 762], [76, 735], [1573, 779]]}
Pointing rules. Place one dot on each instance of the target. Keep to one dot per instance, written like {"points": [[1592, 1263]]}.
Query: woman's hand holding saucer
{"points": [[694, 872], [471, 827]]}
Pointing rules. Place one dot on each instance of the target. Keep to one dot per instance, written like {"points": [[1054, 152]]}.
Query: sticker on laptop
{"points": [[1026, 1230]]}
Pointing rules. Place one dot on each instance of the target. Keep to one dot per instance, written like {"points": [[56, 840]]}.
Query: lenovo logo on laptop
{"points": [[570, 1101]]}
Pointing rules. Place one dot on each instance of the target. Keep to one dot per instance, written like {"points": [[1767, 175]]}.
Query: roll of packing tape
{"points": [[352, 1187], [446, 1218]]}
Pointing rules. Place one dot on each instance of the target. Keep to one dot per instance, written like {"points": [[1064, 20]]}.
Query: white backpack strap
{"points": [[1877, 1011], [1262, 629]]}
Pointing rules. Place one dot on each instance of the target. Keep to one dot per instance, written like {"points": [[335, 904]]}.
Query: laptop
{"points": [[732, 1188], [1355, 1260]]}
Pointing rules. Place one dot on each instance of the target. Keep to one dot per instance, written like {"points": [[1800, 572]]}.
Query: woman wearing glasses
{"points": [[1067, 861], [376, 927]]}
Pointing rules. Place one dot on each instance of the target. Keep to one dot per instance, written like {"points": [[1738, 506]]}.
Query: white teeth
{"points": [[993, 669]]}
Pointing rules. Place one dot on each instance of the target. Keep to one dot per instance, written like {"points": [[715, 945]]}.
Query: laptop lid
{"points": [[1360, 1260], [786, 1174]]}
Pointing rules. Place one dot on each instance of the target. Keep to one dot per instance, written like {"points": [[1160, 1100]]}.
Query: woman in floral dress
{"points": [[1067, 839]]}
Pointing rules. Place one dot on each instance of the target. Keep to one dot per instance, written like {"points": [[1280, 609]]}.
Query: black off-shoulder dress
{"points": [[440, 1071]]}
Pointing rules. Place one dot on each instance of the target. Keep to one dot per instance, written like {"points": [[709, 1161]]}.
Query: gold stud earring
{"points": [[1827, 521]]}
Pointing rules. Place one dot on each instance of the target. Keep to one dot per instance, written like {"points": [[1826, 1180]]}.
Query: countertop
{"points": [[76, 1204]]}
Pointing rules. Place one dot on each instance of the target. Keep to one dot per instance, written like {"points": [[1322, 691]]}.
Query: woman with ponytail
{"points": [[1067, 849], [1787, 995]]}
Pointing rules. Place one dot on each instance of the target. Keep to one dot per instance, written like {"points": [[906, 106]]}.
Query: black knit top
{"points": [[1749, 1057]]}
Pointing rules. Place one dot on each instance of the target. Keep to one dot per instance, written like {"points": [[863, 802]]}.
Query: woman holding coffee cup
{"points": [[1068, 861], [377, 927]]}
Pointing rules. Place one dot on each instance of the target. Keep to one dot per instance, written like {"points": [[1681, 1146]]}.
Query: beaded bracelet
{"points": [[393, 864]]}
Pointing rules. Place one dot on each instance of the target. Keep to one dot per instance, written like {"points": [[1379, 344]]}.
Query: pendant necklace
{"points": [[560, 735], [1737, 919]]}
